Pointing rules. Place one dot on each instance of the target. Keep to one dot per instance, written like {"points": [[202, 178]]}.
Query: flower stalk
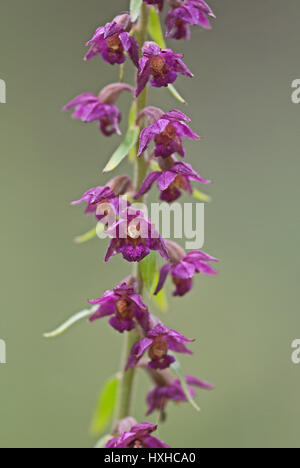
{"points": [[126, 385]]}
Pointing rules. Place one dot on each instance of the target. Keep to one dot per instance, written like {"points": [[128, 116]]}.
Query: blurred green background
{"points": [[245, 319]]}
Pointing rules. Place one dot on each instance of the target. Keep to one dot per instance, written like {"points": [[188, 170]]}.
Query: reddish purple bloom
{"points": [[91, 108], [125, 306], [186, 13], [113, 40], [139, 436], [184, 267], [88, 108], [158, 342], [167, 133], [162, 64], [134, 236], [107, 197], [94, 196], [159, 3], [175, 177], [159, 397]]}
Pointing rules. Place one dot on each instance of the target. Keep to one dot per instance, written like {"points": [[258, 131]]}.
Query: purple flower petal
{"points": [[165, 270], [165, 180], [137, 352], [147, 184], [198, 383], [184, 270]]}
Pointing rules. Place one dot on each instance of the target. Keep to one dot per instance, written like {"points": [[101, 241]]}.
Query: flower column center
{"points": [[159, 348], [158, 65]]}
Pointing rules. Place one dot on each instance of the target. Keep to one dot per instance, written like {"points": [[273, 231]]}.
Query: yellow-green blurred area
{"points": [[245, 319]]}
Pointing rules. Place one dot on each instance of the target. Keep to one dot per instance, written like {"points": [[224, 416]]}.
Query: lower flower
{"points": [[161, 395], [183, 267], [138, 436]]}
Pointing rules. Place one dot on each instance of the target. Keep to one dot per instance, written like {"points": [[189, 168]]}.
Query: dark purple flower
{"points": [[106, 196], [167, 133], [184, 267], [91, 108], [94, 196], [186, 13], [159, 3], [113, 40], [159, 397], [125, 307], [176, 176], [138, 437], [134, 237], [88, 108], [158, 342], [162, 64]]}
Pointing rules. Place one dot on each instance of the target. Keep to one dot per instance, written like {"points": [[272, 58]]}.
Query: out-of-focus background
{"points": [[245, 319]]}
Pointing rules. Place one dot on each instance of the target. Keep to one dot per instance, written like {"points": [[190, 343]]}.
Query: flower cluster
{"points": [[132, 234]]}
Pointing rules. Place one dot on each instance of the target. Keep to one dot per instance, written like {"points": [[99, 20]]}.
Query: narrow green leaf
{"points": [[176, 94], [131, 123], [74, 319], [132, 115], [86, 237], [176, 366], [201, 196], [102, 442], [135, 8], [149, 270], [155, 29], [106, 406], [123, 150]]}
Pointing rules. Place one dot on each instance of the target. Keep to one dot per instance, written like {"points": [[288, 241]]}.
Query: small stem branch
{"points": [[126, 388]]}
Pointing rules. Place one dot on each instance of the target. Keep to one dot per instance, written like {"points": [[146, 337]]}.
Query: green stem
{"points": [[126, 387]]}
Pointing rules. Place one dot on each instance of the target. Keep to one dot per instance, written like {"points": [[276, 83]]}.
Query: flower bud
{"points": [[124, 425], [121, 185], [151, 113], [124, 21], [110, 93], [176, 253]]}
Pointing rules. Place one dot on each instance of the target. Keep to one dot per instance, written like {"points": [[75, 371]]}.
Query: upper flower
{"points": [[162, 64], [90, 108], [158, 342], [175, 176], [159, 3], [125, 306], [184, 267], [159, 397], [138, 436], [186, 13], [112, 40], [134, 236], [167, 133]]}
